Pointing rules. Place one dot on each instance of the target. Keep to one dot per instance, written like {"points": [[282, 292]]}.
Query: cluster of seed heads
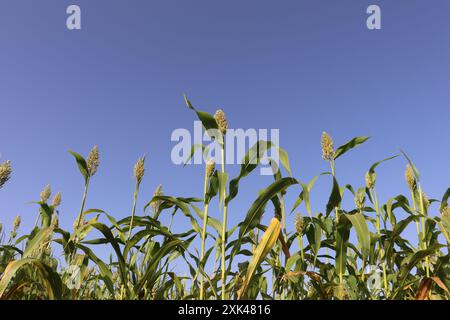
{"points": [[79, 223], [425, 200], [16, 223], [371, 178], [5, 172], [55, 221], [410, 178], [46, 193], [221, 121], [56, 200], [158, 192], [360, 199], [139, 169], [93, 161], [327, 147], [300, 224], [210, 167]]}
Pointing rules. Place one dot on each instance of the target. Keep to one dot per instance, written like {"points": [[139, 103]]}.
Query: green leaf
{"points": [[372, 168], [43, 236], [212, 222], [398, 229], [314, 236], [335, 197], [342, 236], [254, 215], [207, 120], [194, 148], [416, 172], [284, 159], [51, 280], [266, 244], [410, 262], [222, 179], [168, 202], [444, 202], [349, 145], [112, 240], [105, 273], [362, 231], [82, 165], [165, 249], [251, 160]]}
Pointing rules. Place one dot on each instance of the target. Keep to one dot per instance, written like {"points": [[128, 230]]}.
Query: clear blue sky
{"points": [[301, 66]]}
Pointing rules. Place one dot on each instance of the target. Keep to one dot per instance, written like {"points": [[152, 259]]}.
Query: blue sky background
{"points": [[300, 66]]}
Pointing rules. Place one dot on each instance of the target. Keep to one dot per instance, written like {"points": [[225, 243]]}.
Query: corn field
{"points": [[303, 253]]}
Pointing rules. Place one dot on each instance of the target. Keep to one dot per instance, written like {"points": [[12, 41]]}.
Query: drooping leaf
{"points": [[266, 244], [253, 216], [335, 197], [82, 165], [50, 279], [342, 237], [349, 145], [362, 231]]}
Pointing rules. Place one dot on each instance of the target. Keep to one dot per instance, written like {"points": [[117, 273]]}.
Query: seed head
{"points": [[93, 161], [221, 121], [210, 166], [46, 193], [446, 212], [371, 178], [327, 147], [158, 192], [5, 172], [56, 200], [55, 221], [360, 199], [139, 169], [16, 223], [79, 223], [410, 178], [426, 200], [300, 224]]}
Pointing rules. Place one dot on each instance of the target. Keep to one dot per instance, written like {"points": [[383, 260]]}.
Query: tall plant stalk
{"points": [[423, 211], [209, 168], [139, 170], [224, 228], [83, 201], [373, 195]]}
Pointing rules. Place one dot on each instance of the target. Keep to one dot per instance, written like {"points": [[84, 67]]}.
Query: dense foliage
{"points": [[314, 257]]}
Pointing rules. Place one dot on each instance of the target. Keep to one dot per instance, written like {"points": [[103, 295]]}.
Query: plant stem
{"points": [[336, 211], [224, 228], [413, 198], [205, 220], [424, 242], [300, 244], [167, 259], [133, 211], [373, 193], [80, 216]]}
